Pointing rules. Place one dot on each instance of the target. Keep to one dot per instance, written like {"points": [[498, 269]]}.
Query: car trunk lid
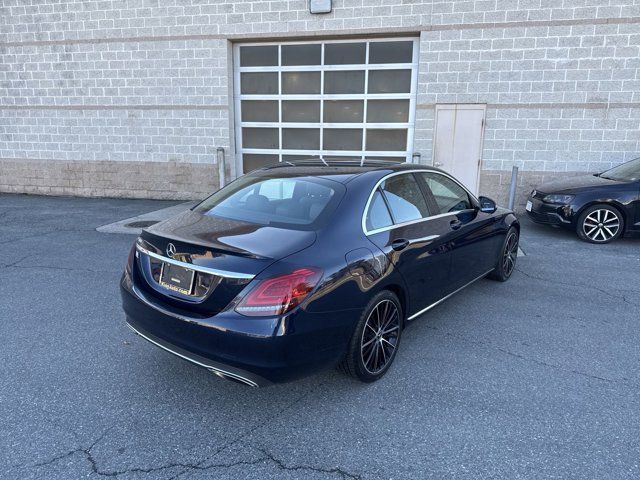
{"points": [[224, 255]]}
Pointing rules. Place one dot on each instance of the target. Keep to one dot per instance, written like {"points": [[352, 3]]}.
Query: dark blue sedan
{"points": [[298, 267]]}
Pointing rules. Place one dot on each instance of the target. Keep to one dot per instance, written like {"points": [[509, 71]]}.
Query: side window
{"points": [[378, 214], [449, 196], [405, 198]]}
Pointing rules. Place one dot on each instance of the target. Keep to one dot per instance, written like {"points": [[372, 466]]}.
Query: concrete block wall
{"points": [[129, 82]]}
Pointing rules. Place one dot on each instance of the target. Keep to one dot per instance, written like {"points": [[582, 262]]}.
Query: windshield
{"points": [[290, 202], [629, 171]]}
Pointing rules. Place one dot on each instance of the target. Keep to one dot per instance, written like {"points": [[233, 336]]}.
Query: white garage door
{"points": [[349, 99]]}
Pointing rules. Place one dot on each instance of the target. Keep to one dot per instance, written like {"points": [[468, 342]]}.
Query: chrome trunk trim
{"points": [[197, 268]]}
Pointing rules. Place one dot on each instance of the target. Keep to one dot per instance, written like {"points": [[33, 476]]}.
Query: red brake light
{"points": [[278, 295]]}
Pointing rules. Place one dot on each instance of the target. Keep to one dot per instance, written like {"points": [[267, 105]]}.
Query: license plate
{"points": [[529, 206], [177, 278]]}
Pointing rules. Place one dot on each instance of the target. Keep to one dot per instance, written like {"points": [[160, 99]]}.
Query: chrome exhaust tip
{"points": [[233, 378]]}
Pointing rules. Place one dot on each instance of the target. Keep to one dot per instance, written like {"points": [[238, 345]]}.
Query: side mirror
{"points": [[487, 205]]}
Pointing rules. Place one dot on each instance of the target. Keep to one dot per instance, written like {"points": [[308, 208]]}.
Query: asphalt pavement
{"points": [[535, 378]]}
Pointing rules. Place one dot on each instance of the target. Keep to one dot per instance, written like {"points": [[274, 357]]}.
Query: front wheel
{"points": [[506, 262], [600, 224], [376, 339]]}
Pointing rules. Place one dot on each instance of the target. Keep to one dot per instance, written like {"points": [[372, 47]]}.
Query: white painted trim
{"points": [[413, 38]]}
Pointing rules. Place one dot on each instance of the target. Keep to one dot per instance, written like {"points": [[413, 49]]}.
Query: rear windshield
{"points": [[289, 202]]}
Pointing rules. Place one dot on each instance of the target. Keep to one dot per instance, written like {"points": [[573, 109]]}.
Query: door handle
{"points": [[400, 244], [455, 224]]}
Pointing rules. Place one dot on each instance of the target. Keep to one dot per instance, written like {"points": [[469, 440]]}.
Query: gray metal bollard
{"points": [[221, 166], [512, 187]]}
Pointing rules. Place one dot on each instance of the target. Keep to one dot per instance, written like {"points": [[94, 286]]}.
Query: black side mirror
{"points": [[487, 205]]}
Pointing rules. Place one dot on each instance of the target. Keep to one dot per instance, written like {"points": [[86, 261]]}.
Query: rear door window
{"points": [[405, 199], [447, 193], [378, 214]]}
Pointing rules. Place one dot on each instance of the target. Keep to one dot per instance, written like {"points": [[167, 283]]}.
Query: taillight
{"points": [[278, 295]]}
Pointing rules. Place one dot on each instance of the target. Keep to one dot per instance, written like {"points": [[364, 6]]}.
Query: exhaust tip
{"points": [[234, 378]]}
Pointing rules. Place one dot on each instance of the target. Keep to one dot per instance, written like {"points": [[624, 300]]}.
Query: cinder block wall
{"points": [[132, 98]]}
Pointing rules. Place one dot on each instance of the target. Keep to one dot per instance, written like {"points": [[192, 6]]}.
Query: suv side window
{"points": [[448, 194], [404, 197]]}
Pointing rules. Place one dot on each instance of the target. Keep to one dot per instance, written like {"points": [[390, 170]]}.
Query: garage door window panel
{"points": [[300, 83], [303, 54], [301, 111], [301, 138], [389, 81], [343, 111]]}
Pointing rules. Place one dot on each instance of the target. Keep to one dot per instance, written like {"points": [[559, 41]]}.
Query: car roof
{"points": [[337, 169]]}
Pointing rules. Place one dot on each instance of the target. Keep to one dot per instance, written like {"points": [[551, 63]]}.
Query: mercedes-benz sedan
{"points": [[298, 267]]}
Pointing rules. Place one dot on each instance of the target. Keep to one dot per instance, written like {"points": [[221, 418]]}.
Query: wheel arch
{"points": [[399, 292]]}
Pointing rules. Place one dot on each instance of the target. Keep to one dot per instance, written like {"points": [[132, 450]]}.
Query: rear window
{"points": [[290, 202], [404, 198]]}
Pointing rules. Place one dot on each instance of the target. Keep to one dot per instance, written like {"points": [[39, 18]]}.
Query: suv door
{"points": [[474, 241], [398, 222]]}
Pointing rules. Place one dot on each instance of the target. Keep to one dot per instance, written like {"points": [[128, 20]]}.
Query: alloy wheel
{"points": [[380, 336], [601, 225], [510, 254]]}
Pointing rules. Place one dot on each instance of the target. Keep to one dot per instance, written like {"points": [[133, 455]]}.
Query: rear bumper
{"points": [[254, 351], [223, 371]]}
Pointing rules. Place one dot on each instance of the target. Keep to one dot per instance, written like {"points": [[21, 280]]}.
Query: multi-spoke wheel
{"points": [[380, 336], [600, 224], [376, 339], [508, 255]]}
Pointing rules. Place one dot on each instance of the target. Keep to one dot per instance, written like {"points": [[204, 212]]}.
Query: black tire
{"points": [[600, 223], [506, 262], [360, 365]]}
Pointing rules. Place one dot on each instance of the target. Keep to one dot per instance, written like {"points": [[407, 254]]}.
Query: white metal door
{"points": [[457, 146], [311, 99]]}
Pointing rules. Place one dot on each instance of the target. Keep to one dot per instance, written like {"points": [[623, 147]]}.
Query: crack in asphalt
{"points": [[54, 267], [42, 234], [253, 429], [204, 465], [14, 264], [527, 359], [335, 470], [558, 282]]}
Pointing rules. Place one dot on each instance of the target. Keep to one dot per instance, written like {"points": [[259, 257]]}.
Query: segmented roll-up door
{"points": [[350, 99]]}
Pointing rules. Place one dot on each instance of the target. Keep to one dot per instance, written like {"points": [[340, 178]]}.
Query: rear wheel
{"points": [[376, 339], [508, 255], [600, 224]]}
